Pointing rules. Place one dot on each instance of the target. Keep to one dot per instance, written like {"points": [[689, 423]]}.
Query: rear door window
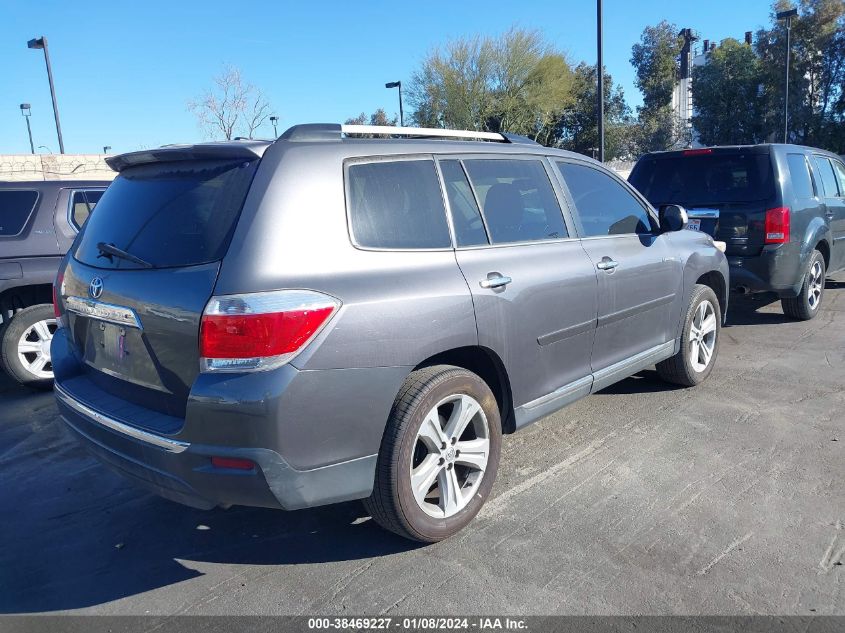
{"points": [[466, 217], [397, 205], [82, 202], [840, 175], [604, 205], [828, 177], [799, 174], [517, 200], [15, 209], [168, 214]]}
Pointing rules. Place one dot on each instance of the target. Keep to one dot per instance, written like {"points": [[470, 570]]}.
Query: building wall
{"points": [[20, 167]]}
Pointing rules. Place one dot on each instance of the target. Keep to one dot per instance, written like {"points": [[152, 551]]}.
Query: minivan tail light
{"points": [[261, 330], [777, 225]]}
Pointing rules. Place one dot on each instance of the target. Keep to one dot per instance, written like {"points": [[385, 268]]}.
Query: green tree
{"points": [[654, 58], [379, 117], [817, 73], [726, 96], [515, 82], [577, 128]]}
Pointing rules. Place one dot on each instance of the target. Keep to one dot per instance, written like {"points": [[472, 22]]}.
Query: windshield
{"points": [[167, 214], [704, 178]]}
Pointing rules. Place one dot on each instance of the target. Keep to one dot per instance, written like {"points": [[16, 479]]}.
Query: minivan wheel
{"points": [[439, 454], [700, 341], [25, 346], [806, 305]]}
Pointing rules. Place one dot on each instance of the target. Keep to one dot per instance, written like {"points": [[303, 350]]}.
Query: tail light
{"points": [[57, 290], [262, 330], [697, 152], [777, 225]]}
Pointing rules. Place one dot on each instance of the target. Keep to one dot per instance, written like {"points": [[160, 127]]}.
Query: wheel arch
{"points": [[718, 284], [17, 298], [489, 367]]}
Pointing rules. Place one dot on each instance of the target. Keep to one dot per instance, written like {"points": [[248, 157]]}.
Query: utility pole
{"points": [[26, 112], [600, 76], [787, 15]]}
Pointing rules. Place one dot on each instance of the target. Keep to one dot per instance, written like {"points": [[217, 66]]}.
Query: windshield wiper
{"points": [[110, 250]]}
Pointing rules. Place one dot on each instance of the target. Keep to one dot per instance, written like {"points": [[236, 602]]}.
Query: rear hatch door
{"points": [[725, 190], [142, 271]]}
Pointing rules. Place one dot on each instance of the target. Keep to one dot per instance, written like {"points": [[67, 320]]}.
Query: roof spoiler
{"points": [[200, 151], [336, 131]]}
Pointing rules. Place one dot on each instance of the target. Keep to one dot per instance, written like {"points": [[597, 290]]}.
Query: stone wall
{"points": [[20, 167]]}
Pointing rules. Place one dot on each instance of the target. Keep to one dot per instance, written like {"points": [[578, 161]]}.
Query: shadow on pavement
{"points": [[75, 534]]}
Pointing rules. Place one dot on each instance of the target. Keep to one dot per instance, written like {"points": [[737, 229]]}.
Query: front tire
{"points": [[806, 305], [439, 454], [699, 342], [25, 346]]}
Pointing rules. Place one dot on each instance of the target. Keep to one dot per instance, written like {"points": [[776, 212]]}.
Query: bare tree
{"points": [[233, 106]]}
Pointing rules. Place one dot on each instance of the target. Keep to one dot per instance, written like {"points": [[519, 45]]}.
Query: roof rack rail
{"points": [[336, 131]]}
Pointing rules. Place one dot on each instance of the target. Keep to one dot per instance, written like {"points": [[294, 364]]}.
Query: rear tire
{"points": [[806, 305], [439, 454], [25, 346], [699, 341]]}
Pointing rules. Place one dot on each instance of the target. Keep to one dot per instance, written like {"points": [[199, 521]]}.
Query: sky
{"points": [[125, 71]]}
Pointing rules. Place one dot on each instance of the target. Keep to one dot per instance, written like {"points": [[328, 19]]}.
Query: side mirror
{"points": [[673, 217]]}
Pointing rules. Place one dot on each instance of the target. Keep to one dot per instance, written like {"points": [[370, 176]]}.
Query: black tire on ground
{"points": [[806, 305], [392, 504], [11, 335], [679, 369]]}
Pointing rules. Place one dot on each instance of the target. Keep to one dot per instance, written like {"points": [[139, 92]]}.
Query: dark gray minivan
{"points": [[779, 208], [328, 317]]}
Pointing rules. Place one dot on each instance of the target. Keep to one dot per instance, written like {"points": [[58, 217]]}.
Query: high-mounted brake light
{"points": [[777, 226], [262, 330], [697, 152], [57, 290]]}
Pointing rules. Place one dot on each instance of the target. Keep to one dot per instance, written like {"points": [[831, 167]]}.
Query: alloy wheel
{"points": [[815, 285], [702, 336], [34, 348], [450, 456]]}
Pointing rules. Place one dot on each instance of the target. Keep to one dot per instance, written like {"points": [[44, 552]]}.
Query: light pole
{"points": [[41, 42], [397, 84], [26, 111], [787, 15], [106, 149], [274, 120], [600, 76], [49, 151]]}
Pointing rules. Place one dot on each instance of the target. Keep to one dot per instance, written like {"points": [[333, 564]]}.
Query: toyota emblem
{"points": [[96, 287]]}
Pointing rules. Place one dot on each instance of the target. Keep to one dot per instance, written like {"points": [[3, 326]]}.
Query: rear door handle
{"points": [[496, 281], [607, 264]]}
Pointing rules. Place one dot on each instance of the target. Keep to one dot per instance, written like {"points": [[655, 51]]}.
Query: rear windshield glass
{"points": [[168, 214], [15, 207], [705, 179]]}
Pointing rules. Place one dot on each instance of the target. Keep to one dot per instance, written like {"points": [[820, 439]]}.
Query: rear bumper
{"points": [[776, 269], [182, 471]]}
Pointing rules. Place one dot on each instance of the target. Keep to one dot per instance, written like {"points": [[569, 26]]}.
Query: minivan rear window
{"points": [[702, 179], [15, 208], [168, 214]]}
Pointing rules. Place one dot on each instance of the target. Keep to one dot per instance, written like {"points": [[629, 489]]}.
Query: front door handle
{"points": [[495, 280], [607, 264]]}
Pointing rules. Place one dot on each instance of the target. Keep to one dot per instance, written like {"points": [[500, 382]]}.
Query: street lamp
{"points": [[787, 16], [600, 76], [47, 148], [274, 120], [397, 84], [41, 42], [26, 111], [106, 149]]}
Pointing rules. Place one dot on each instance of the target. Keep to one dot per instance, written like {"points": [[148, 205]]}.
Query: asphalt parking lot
{"points": [[644, 499]]}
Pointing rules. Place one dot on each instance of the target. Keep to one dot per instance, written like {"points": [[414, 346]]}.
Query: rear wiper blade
{"points": [[110, 250]]}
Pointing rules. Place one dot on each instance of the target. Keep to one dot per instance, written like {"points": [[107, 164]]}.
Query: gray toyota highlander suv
{"points": [[360, 313]]}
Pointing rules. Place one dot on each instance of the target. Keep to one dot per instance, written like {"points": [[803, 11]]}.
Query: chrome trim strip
{"points": [[703, 214], [559, 393], [108, 312], [171, 446]]}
